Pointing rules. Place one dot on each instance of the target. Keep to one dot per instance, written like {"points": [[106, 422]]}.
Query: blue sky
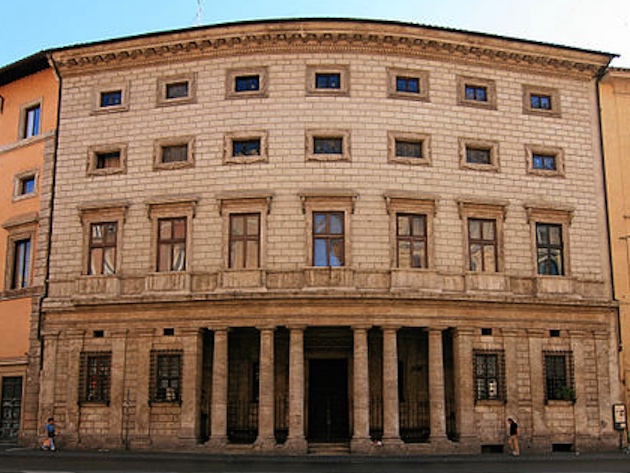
{"points": [[28, 27]]}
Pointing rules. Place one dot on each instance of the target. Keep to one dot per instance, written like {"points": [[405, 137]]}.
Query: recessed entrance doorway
{"points": [[328, 412]]}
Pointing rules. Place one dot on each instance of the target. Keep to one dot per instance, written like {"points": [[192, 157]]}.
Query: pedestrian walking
{"points": [[49, 441], [513, 437]]}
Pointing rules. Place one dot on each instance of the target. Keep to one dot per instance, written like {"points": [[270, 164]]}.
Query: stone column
{"points": [[140, 437], [579, 345], [71, 434], [48, 377], [218, 437], [391, 417], [296, 442], [117, 390], [464, 390], [191, 386], [361, 392], [266, 398], [539, 436], [437, 401]]}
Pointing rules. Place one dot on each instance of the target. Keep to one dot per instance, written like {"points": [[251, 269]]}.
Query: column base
{"points": [[296, 446], [217, 443], [393, 445], [360, 445], [265, 443]]}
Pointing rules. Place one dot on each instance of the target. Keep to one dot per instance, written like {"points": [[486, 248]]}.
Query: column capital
{"points": [[365, 327], [219, 328], [300, 328], [436, 328], [390, 328], [266, 328]]}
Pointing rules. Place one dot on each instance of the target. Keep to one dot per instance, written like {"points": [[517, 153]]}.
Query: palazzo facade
{"points": [[268, 236]]}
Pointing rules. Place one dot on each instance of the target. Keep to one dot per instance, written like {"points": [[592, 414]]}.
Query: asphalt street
{"points": [[19, 460]]}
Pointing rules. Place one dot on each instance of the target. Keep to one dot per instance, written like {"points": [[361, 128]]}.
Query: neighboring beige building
{"points": [[28, 117], [615, 110], [275, 235]]}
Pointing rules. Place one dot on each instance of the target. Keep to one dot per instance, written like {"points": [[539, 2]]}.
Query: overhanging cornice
{"points": [[326, 36]]}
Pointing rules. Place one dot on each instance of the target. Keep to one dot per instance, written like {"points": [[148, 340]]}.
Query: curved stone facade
{"points": [[273, 235]]}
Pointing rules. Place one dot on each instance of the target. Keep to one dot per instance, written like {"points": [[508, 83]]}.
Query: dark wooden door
{"points": [[328, 401], [11, 407]]}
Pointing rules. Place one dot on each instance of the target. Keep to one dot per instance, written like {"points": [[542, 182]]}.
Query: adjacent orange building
{"points": [[615, 110], [28, 117]]}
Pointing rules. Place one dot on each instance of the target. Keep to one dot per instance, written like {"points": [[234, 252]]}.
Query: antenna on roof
{"points": [[199, 13]]}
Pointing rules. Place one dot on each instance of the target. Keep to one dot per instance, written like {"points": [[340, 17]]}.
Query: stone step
{"points": [[336, 448]]}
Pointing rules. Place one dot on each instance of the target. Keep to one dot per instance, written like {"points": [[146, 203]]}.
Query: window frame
{"points": [[537, 214], [23, 128], [155, 369], [394, 73], [115, 212], [263, 82], [411, 239], [241, 203], [18, 183], [312, 135], [228, 147], [393, 137], [492, 146], [500, 376], [332, 200], [105, 245], [491, 92], [552, 92], [569, 377], [396, 203], [163, 84], [177, 207], [246, 239], [162, 143], [104, 357], [95, 151], [549, 247], [20, 228], [344, 80], [558, 153], [123, 87], [474, 210]]}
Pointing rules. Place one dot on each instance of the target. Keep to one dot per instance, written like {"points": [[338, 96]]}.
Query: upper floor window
{"points": [[539, 100], [328, 239], [32, 124], [476, 92], [95, 374], [489, 369], [244, 241], [25, 185], [482, 245], [174, 153], [409, 148], [545, 160], [411, 241], [107, 159], [109, 99], [327, 145], [550, 249], [176, 90], [171, 244], [245, 147], [559, 385], [102, 251], [480, 155], [408, 84], [166, 376], [21, 266], [247, 82], [327, 80]]}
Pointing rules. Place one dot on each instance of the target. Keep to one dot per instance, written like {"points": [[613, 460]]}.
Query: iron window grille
{"points": [[166, 376], [489, 375], [559, 378], [95, 377]]}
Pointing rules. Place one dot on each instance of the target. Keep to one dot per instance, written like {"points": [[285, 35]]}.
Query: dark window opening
{"points": [[328, 81], [545, 162], [26, 185], [21, 264], [478, 155], [98, 333], [486, 331], [550, 249], [95, 371], [489, 369], [540, 102], [247, 83], [559, 377], [328, 239], [246, 147], [166, 368], [408, 84], [175, 153], [177, 90], [409, 149], [111, 98], [476, 93], [169, 332], [108, 160], [327, 145]]}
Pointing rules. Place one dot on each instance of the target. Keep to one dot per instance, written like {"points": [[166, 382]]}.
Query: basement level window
{"points": [[98, 333], [169, 332], [486, 331], [554, 333]]}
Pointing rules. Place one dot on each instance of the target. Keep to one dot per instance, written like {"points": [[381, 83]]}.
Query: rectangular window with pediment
{"points": [[328, 239], [244, 241]]}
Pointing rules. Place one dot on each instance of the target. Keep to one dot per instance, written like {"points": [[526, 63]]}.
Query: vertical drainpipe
{"points": [[44, 295]]}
